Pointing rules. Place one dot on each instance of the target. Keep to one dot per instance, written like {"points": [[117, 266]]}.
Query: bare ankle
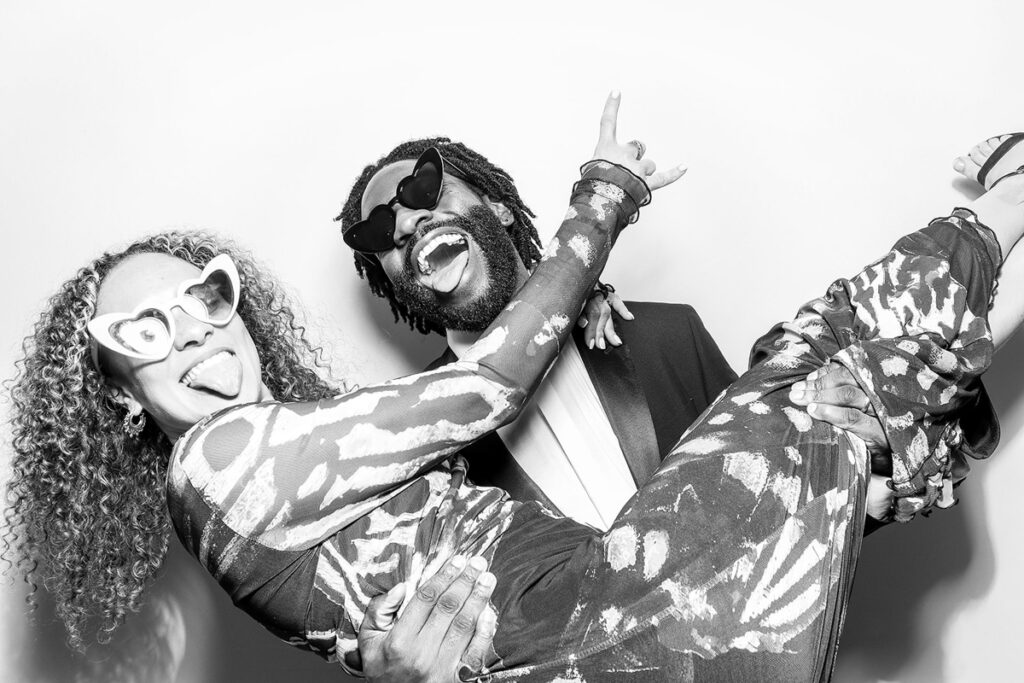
{"points": [[1002, 211]]}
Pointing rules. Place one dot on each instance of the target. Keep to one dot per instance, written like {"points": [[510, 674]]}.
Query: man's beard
{"points": [[501, 261]]}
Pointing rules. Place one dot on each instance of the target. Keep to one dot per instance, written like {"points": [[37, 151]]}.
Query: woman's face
{"points": [[208, 368]]}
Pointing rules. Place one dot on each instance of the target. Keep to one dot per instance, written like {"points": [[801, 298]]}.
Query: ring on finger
{"points": [[641, 149], [473, 672]]}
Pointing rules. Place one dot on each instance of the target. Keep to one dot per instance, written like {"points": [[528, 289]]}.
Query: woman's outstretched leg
{"points": [[999, 209], [737, 557]]}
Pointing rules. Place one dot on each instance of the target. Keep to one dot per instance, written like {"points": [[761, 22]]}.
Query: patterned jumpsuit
{"points": [[734, 562]]}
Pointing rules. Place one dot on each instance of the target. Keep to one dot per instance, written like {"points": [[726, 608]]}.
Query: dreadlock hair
{"points": [[87, 513], [484, 176]]}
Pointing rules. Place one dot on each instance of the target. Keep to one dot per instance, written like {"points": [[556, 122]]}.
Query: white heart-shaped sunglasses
{"points": [[148, 332]]}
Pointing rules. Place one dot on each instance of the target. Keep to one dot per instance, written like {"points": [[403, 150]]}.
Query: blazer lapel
{"points": [[623, 399], [491, 463]]}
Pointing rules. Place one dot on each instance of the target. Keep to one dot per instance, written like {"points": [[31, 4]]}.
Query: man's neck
{"points": [[460, 340]]}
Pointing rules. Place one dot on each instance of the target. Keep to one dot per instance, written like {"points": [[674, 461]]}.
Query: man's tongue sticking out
{"points": [[443, 261]]}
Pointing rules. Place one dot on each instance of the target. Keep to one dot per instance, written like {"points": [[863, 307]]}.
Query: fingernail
{"points": [[628, 316], [478, 563], [616, 341], [682, 169], [590, 343], [813, 376], [487, 580], [799, 387], [616, 94], [583, 322], [812, 408], [796, 395], [459, 562], [600, 343]]}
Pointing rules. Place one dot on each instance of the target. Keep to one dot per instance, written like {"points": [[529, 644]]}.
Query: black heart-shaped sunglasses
{"points": [[419, 190]]}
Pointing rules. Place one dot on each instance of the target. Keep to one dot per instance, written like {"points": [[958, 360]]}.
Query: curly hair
{"points": [[489, 179], [87, 505]]}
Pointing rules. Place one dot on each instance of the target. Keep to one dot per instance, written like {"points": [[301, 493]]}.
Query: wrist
{"points": [[615, 183]]}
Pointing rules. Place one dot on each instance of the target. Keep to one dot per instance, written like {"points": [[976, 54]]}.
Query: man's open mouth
{"points": [[441, 261], [220, 374]]}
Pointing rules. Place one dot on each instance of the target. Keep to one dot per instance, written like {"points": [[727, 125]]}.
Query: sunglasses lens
{"points": [[147, 335], [422, 189], [376, 233], [213, 300]]}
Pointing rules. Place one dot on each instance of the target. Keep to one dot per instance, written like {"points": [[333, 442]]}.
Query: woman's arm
{"points": [[333, 459]]}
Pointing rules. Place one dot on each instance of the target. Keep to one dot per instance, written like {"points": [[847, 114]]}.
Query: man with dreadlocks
{"points": [[599, 415], [442, 234], [452, 267]]}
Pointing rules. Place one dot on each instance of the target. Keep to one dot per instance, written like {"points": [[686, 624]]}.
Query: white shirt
{"points": [[565, 443]]}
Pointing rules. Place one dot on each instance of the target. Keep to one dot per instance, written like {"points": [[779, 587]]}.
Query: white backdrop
{"points": [[814, 135]]}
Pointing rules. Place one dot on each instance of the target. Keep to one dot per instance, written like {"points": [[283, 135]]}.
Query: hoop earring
{"points": [[133, 424]]}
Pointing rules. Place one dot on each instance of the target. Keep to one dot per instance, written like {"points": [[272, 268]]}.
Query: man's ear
{"points": [[500, 210]]}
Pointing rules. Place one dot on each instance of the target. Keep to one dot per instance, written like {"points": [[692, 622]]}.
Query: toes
{"points": [[967, 167], [971, 164], [979, 153], [982, 151], [995, 142]]}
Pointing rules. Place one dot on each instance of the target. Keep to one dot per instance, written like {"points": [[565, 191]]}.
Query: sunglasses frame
{"points": [[99, 327], [429, 155]]}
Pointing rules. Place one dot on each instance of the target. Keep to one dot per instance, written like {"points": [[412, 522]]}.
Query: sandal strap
{"points": [[1000, 151], [1019, 171]]}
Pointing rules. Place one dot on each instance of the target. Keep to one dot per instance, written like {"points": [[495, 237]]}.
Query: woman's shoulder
{"points": [[216, 442]]}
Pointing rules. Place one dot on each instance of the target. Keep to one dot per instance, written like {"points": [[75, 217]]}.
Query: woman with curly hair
{"points": [[88, 486], [304, 505]]}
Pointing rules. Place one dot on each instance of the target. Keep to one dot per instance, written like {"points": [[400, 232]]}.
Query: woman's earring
{"points": [[133, 423]]}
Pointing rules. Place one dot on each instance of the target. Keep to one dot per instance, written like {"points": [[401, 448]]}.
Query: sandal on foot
{"points": [[997, 154]]}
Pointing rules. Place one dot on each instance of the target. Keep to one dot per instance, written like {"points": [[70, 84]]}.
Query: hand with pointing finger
{"points": [[631, 154]]}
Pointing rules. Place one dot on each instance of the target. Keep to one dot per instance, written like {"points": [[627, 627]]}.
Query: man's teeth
{"points": [[450, 239]]}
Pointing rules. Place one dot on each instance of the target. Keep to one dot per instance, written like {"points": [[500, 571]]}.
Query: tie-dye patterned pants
{"points": [[735, 561]]}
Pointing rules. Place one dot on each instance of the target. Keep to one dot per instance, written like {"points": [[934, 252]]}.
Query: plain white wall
{"points": [[815, 134]]}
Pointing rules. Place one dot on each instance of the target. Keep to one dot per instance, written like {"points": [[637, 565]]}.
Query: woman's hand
{"points": [[630, 154], [596, 318]]}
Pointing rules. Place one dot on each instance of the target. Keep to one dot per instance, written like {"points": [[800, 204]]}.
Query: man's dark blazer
{"points": [[667, 371]]}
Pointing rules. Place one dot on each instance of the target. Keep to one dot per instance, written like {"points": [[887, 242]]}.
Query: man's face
{"points": [[454, 264]]}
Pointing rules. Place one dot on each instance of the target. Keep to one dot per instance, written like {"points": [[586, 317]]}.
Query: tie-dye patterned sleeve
{"points": [[925, 385], [291, 474]]}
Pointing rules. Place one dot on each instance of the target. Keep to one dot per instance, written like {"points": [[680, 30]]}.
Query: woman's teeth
{"points": [[220, 373]]}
